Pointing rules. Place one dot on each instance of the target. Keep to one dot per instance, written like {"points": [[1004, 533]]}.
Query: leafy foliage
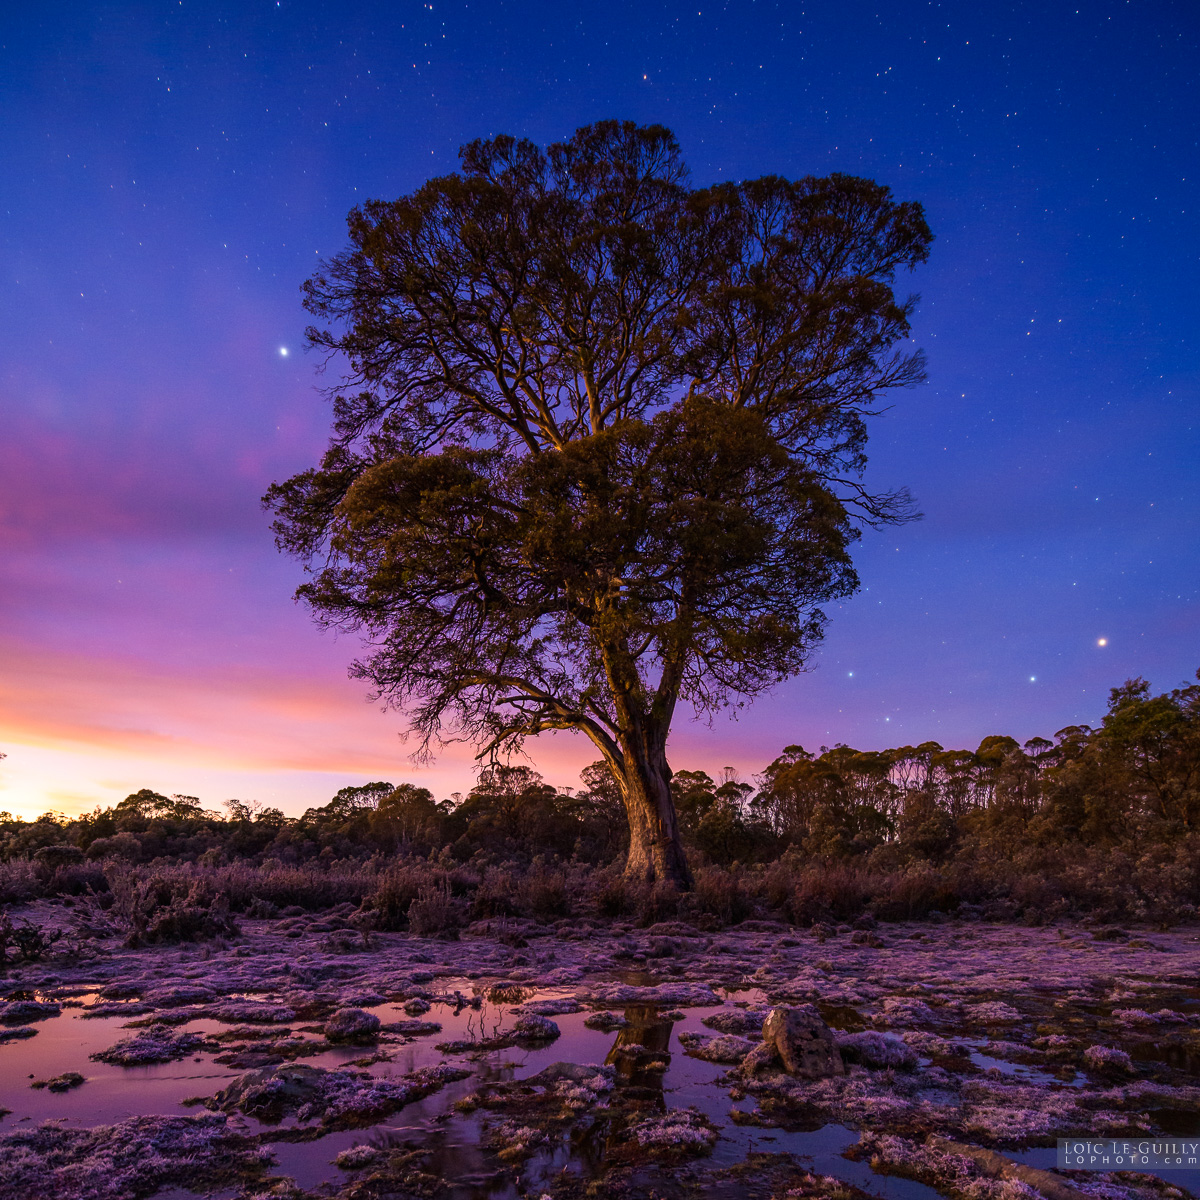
{"points": [[601, 444]]}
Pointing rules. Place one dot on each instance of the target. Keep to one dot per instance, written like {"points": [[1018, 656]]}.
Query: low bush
{"points": [[659, 902], [76, 879], [313, 886], [168, 907], [719, 895], [496, 895], [437, 912], [612, 896], [542, 892], [395, 891], [20, 881], [23, 940]]}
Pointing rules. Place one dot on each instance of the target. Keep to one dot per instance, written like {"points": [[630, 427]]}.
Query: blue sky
{"points": [[174, 171]]}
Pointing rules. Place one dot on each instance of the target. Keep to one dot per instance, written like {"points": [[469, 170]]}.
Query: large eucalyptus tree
{"points": [[599, 443]]}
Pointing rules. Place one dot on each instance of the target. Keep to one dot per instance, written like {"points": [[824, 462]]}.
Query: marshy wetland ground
{"points": [[303, 1057]]}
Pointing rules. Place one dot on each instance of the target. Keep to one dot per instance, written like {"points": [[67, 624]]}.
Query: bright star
{"points": [[1033, 679], [1102, 641], [283, 352]]}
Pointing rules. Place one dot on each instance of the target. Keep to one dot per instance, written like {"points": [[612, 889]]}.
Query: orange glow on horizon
{"points": [[81, 731]]}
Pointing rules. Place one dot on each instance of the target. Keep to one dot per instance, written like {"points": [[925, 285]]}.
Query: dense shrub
{"points": [[395, 891], [497, 894], [613, 895], [120, 845], [165, 901], [437, 912], [19, 881], [168, 907], [542, 892], [22, 941], [75, 879], [659, 902], [1102, 822], [313, 886], [720, 895]]}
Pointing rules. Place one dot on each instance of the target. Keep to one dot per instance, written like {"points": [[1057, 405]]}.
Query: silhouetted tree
{"points": [[150, 804], [601, 442], [408, 817], [1158, 738], [1137, 775]]}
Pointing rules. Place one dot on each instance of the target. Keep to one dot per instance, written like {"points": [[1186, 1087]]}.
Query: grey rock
{"points": [[282, 1088], [801, 1041], [759, 1059]]}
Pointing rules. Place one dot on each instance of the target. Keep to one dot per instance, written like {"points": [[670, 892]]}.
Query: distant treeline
{"points": [[1132, 782]]}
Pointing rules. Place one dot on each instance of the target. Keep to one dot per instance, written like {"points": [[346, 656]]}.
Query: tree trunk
{"points": [[655, 847]]}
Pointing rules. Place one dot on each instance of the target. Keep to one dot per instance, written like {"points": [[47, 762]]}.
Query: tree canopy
{"points": [[600, 441]]}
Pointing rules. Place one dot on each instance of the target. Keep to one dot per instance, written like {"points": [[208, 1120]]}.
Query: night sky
{"points": [[170, 173]]}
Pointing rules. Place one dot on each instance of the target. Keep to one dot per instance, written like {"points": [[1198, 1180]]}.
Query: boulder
{"points": [[800, 1040]]}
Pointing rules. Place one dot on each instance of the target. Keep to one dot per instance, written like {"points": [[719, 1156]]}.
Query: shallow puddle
{"points": [[1019, 1072], [1172, 1054], [113, 1093], [756, 968]]}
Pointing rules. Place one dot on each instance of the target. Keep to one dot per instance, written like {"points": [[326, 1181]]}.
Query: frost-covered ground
{"points": [[588, 1059]]}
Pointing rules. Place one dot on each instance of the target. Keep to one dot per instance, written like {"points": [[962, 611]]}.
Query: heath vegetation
{"points": [[1096, 822]]}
